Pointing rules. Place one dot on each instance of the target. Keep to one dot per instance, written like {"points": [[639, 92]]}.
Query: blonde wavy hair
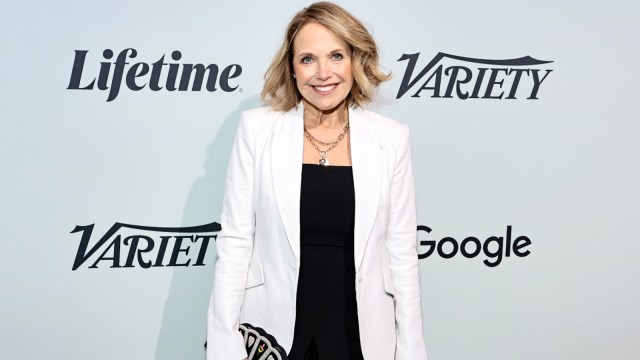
{"points": [[280, 90]]}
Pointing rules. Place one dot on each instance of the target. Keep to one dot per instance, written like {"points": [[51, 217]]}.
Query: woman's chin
{"points": [[324, 106]]}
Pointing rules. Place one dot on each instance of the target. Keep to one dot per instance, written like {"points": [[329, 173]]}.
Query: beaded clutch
{"points": [[259, 344]]}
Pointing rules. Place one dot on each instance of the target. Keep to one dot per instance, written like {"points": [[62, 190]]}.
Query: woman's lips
{"points": [[324, 89]]}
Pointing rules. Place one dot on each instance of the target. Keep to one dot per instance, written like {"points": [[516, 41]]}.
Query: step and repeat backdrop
{"points": [[117, 120]]}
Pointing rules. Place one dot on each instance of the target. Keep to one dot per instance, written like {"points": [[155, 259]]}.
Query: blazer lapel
{"points": [[286, 167], [366, 161]]}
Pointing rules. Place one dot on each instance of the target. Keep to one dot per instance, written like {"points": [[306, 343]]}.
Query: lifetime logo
{"points": [[137, 79], [494, 247], [465, 78]]}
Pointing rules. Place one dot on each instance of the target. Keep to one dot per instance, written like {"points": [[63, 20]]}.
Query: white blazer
{"points": [[258, 248]]}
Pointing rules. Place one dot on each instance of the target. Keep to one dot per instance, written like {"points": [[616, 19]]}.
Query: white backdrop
{"points": [[561, 170]]}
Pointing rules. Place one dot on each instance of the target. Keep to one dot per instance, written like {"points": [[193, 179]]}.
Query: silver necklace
{"points": [[323, 153]]}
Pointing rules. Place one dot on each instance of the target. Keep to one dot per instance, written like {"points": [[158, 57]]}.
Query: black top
{"points": [[326, 312]]}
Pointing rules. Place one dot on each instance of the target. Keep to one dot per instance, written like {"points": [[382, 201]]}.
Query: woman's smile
{"points": [[324, 89]]}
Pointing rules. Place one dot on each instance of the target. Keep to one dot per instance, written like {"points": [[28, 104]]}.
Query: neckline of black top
{"points": [[325, 166]]}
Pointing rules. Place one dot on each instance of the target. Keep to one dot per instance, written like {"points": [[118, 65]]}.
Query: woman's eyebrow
{"points": [[307, 53]]}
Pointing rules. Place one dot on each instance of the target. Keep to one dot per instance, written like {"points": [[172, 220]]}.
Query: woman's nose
{"points": [[324, 71]]}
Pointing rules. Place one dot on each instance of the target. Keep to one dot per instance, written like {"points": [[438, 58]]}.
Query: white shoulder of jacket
{"points": [[389, 132]]}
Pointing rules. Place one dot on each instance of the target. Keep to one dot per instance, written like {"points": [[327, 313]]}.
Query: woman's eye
{"points": [[337, 56], [306, 60]]}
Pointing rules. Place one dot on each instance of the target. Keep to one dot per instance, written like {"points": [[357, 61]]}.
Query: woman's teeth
{"points": [[324, 88]]}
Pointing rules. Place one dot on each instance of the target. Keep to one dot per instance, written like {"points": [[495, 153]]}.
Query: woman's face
{"points": [[322, 65]]}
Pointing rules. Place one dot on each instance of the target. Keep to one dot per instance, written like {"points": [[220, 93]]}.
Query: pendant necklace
{"points": [[323, 153]]}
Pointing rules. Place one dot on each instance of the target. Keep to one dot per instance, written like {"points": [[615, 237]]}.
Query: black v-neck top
{"points": [[326, 312]]}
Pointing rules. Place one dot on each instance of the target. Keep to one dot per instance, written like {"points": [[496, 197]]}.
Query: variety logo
{"points": [[495, 248], [130, 246], [452, 76], [140, 75]]}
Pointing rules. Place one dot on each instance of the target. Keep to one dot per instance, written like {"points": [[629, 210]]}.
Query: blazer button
{"points": [[359, 277]]}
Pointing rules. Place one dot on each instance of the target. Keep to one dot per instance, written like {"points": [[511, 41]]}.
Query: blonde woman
{"points": [[318, 239]]}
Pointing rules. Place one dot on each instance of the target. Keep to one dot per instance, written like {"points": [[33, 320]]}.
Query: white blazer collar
{"points": [[286, 167]]}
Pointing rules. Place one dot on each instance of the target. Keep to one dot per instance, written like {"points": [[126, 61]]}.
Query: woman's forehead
{"points": [[313, 37]]}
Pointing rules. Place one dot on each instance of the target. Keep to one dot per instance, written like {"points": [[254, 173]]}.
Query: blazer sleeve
{"points": [[403, 255], [234, 245]]}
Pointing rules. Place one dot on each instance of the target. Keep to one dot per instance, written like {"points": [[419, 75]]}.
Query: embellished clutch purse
{"points": [[259, 344]]}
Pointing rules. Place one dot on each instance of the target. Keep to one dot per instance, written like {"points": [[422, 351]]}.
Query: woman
{"points": [[318, 239]]}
